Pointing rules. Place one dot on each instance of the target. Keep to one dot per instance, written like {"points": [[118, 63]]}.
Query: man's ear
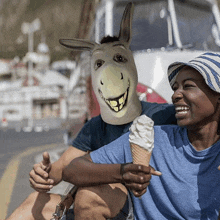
{"points": [[77, 44], [126, 24]]}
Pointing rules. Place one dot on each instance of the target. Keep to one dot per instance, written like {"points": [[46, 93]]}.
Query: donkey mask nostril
{"points": [[122, 76], [101, 82]]}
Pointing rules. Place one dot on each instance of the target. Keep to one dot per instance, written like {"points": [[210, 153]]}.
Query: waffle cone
{"points": [[140, 155]]}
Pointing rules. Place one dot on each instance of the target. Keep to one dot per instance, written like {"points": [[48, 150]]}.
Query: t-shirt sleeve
{"points": [[117, 151], [83, 139]]}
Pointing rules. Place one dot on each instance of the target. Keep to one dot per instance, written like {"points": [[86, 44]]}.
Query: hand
{"points": [[137, 177], [39, 175]]}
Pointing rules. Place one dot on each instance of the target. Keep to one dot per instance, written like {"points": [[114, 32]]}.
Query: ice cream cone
{"points": [[141, 140], [140, 155]]}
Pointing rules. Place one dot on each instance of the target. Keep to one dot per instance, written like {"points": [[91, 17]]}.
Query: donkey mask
{"points": [[114, 74]]}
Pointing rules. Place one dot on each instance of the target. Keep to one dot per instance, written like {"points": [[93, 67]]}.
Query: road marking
{"points": [[7, 185], [8, 179]]}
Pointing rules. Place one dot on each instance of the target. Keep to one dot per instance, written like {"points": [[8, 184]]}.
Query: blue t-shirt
{"points": [[189, 187], [96, 133]]}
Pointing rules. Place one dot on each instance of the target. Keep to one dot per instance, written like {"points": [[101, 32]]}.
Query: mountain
{"points": [[58, 19]]}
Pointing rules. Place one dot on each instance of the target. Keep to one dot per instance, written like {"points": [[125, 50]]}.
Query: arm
{"points": [[45, 175], [58, 166], [83, 172]]}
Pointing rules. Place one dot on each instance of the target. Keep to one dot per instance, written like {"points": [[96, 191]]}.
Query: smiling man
{"points": [[114, 81]]}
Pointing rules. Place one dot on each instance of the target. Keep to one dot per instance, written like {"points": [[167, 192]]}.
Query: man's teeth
{"points": [[118, 104], [113, 103], [121, 100]]}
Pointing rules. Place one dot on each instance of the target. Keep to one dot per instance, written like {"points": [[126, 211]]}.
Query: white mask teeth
{"points": [[116, 109], [113, 103], [121, 100], [116, 104]]}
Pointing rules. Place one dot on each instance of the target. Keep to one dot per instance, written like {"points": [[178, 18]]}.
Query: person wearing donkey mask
{"points": [[114, 80]]}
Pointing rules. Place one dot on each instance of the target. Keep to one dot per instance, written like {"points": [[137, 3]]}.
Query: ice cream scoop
{"points": [[141, 139]]}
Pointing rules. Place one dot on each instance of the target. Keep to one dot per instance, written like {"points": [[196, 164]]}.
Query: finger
{"points": [[136, 177], [37, 186], [155, 172], [40, 190], [46, 159], [139, 194], [218, 167], [137, 187], [39, 179], [45, 168], [39, 171], [136, 168]]}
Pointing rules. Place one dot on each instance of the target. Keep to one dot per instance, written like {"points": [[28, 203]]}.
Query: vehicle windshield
{"points": [[149, 25], [196, 24], [152, 26]]}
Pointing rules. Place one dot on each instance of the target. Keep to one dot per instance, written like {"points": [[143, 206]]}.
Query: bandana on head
{"points": [[208, 65], [114, 74]]}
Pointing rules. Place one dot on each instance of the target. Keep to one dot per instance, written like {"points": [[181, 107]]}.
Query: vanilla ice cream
{"points": [[141, 139]]}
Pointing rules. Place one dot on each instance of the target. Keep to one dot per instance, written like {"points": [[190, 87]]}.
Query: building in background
{"points": [[32, 99]]}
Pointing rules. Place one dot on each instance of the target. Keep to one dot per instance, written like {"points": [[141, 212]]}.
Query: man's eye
{"points": [[99, 63], [119, 58]]}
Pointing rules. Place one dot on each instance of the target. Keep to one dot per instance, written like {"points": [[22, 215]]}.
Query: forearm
{"points": [[64, 160], [56, 172], [83, 172]]}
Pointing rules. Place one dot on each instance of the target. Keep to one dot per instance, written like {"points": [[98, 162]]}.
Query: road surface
{"points": [[18, 152]]}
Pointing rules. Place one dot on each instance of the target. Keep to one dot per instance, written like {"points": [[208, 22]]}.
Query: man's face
{"points": [[114, 78], [194, 101]]}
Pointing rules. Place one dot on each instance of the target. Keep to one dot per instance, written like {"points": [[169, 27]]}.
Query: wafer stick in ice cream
{"points": [[141, 140]]}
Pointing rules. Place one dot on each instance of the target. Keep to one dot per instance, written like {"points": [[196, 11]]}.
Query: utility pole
{"points": [[30, 28]]}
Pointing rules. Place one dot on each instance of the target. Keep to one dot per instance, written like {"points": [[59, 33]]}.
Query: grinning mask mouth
{"points": [[118, 103]]}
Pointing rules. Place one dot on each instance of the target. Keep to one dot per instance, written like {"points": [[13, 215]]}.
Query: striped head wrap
{"points": [[207, 64]]}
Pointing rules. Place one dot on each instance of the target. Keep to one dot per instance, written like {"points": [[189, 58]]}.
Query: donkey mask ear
{"points": [[77, 44], [126, 23]]}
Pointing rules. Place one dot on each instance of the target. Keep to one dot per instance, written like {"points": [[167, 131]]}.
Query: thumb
{"points": [[155, 172], [46, 159]]}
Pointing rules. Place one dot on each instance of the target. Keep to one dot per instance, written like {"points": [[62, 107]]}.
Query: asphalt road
{"points": [[18, 151], [13, 143]]}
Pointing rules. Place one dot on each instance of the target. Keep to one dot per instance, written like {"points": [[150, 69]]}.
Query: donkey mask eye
{"points": [[119, 58], [98, 63]]}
